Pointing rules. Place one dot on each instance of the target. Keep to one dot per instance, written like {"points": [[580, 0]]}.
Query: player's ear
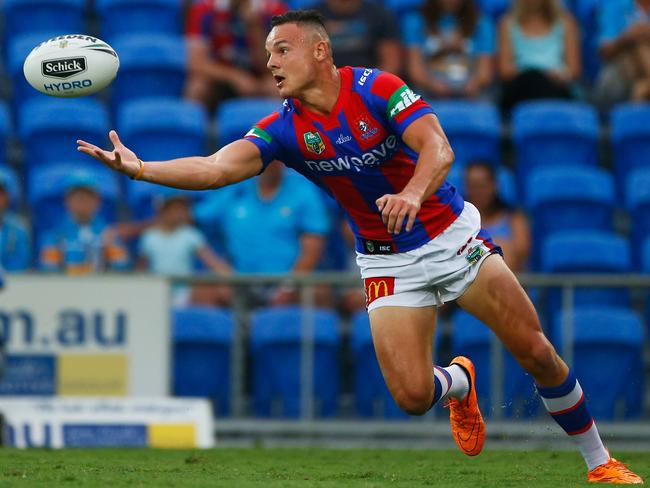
{"points": [[321, 51]]}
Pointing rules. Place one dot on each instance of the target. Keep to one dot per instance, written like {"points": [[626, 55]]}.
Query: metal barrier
{"points": [[306, 283]]}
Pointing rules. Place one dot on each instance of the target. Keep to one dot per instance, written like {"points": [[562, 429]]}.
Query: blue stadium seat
{"points": [[5, 131], [17, 50], [607, 359], [119, 17], [159, 129], [301, 4], [275, 348], [202, 346], [494, 8], [507, 187], [473, 129], [27, 16], [47, 187], [372, 398], [586, 252], [554, 133], [13, 186], [402, 6], [570, 198], [151, 65], [49, 128], [235, 117], [637, 195], [631, 139], [472, 338]]}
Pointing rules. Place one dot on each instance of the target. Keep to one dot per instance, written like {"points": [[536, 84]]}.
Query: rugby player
{"points": [[374, 145]]}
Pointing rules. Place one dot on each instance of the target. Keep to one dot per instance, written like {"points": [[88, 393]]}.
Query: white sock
{"points": [[566, 404], [450, 382]]}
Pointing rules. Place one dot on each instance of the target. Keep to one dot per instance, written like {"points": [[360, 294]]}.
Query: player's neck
{"points": [[322, 97]]}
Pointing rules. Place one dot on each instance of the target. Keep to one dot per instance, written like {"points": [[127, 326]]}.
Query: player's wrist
{"points": [[139, 172]]}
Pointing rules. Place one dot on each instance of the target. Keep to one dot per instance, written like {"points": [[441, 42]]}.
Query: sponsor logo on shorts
{"points": [[380, 286], [474, 254], [63, 67]]}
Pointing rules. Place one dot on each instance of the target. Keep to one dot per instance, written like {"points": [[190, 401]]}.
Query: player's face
{"points": [[291, 58]]}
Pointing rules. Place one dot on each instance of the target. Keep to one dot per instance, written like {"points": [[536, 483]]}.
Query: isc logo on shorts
{"points": [[380, 286]]}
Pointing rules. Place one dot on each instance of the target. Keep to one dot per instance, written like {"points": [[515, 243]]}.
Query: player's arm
{"points": [[233, 163], [435, 156]]}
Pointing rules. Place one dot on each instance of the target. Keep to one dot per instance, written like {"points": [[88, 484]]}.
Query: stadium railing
{"points": [[567, 283]]}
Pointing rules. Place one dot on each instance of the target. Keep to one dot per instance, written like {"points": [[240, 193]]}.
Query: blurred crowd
{"points": [[595, 51]]}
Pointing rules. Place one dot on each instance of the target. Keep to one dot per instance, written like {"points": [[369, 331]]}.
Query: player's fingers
{"points": [[385, 212], [118, 159], [399, 221], [115, 139], [86, 150], [413, 213], [392, 218], [381, 202], [86, 144]]}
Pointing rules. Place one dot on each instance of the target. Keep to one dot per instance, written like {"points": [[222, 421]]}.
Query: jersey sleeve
{"points": [[198, 20], [401, 105], [264, 135]]}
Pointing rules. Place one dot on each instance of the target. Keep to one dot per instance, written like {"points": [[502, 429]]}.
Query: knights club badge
{"points": [[314, 142]]}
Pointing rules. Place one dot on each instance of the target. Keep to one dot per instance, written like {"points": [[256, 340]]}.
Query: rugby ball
{"points": [[72, 65]]}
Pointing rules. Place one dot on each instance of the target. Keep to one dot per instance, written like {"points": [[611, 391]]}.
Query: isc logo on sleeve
{"points": [[380, 286]]}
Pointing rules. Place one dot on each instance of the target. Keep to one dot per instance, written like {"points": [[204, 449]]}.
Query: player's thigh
{"points": [[497, 299], [403, 338]]}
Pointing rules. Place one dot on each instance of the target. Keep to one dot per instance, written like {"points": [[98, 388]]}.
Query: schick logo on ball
{"points": [[63, 67]]}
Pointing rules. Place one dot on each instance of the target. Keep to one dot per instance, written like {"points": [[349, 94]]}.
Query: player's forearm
{"points": [[433, 164], [193, 173]]}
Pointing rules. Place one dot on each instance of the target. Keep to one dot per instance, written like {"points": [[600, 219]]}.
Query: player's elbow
{"points": [[446, 154]]}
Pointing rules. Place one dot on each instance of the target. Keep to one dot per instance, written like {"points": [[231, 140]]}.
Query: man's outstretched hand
{"points": [[121, 158]]}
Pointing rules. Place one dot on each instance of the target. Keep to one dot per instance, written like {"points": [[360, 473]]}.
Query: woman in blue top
{"points": [[539, 52], [450, 48]]}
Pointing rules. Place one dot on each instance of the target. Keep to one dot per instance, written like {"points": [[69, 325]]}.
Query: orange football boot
{"points": [[615, 472], [464, 415]]}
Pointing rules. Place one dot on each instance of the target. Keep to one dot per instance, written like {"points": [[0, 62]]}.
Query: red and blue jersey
{"points": [[356, 154]]}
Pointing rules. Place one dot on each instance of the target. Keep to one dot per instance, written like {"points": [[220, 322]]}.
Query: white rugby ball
{"points": [[72, 65]]}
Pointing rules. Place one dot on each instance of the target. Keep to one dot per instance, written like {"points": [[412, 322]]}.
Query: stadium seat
{"points": [[275, 340], [401, 6], [507, 187], [202, 346], [159, 129], [120, 17], [29, 16], [13, 186], [473, 129], [47, 187], [494, 8], [586, 252], [301, 4], [569, 198], [5, 131], [151, 65], [607, 359], [637, 193], [50, 127], [473, 339], [630, 134], [553, 132], [17, 50], [371, 396], [235, 117]]}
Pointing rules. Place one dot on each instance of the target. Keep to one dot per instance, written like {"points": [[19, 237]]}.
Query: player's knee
{"points": [[415, 400], [540, 358]]}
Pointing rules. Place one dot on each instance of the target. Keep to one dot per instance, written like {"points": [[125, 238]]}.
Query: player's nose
{"points": [[271, 63]]}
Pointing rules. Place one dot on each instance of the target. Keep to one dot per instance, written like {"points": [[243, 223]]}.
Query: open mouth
{"points": [[278, 80]]}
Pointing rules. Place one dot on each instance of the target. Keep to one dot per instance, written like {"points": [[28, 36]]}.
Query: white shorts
{"points": [[435, 273]]}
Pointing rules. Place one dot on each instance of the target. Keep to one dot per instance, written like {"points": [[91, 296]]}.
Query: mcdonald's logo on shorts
{"points": [[380, 286]]}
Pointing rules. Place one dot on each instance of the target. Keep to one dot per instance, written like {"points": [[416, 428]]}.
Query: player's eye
{"points": [[283, 50]]}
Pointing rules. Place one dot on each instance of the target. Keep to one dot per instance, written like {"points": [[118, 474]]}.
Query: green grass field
{"points": [[298, 467]]}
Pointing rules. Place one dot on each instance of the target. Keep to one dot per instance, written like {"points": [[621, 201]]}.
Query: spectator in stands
{"points": [[508, 227], [450, 48], [226, 49], [539, 52], [274, 224], [15, 244], [81, 243], [171, 246], [363, 33], [624, 39]]}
